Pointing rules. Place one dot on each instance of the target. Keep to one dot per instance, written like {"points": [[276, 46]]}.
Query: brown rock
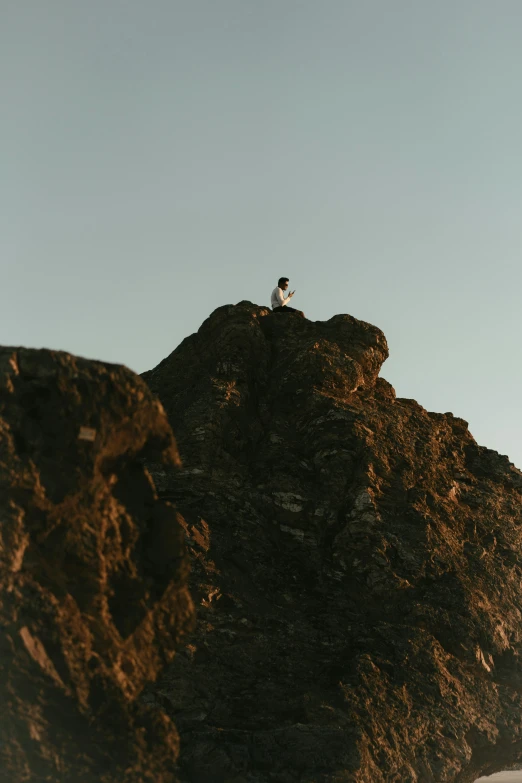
{"points": [[357, 565], [89, 611]]}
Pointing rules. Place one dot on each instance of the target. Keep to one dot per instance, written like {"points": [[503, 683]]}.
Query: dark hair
{"points": [[282, 281]]}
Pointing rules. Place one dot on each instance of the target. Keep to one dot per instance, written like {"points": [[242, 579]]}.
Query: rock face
{"points": [[357, 565], [92, 573]]}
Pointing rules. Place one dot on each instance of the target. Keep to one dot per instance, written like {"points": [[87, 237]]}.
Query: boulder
{"points": [[357, 565], [93, 573]]}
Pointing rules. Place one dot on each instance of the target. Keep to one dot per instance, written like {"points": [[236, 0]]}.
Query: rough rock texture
{"points": [[93, 573], [357, 565]]}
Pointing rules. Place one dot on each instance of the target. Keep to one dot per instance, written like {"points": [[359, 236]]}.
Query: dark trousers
{"points": [[285, 309]]}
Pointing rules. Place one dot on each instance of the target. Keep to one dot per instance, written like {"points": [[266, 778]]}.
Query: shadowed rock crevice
{"points": [[356, 565]]}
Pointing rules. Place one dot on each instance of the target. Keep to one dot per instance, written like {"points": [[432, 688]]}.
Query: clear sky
{"points": [[162, 158]]}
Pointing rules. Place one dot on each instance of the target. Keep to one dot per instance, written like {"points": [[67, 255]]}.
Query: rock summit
{"points": [[357, 565]]}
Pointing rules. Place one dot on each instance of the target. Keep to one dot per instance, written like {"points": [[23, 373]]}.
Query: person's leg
{"points": [[287, 309]]}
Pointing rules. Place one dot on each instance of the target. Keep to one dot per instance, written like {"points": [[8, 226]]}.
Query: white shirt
{"points": [[277, 299]]}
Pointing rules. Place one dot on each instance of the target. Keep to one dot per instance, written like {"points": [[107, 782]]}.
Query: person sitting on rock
{"points": [[279, 302]]}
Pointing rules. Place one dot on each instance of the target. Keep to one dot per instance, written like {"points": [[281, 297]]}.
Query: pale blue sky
{"points": [[162, 158]]}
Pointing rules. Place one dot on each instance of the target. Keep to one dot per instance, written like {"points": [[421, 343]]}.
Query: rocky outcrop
{"points": [[357, 565], [93, 573]]}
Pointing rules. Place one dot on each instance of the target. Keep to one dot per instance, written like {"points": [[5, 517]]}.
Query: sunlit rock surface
{"points": [[357, 565], [93, 573]]}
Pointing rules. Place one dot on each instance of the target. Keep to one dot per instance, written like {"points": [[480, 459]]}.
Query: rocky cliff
{"points": [[93, 572], [357, 565]]}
